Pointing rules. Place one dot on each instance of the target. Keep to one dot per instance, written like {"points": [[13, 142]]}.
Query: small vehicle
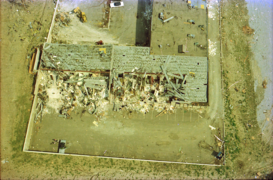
{"points": [[116, 4]]}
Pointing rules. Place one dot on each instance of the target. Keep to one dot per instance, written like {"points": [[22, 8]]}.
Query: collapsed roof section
{"points": [[138, 60], [191, 71]]}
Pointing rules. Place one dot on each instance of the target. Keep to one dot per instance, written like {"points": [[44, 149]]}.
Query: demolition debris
{"points": [[66, 91], [95, 78]]}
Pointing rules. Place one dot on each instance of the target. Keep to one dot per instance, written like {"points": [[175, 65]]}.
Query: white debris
{"points": [[212, 9], [4, 161], [211, 127], [212, 48], [95, 123]]}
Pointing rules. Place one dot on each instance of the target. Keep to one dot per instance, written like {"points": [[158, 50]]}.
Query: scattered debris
{"points": [[233, 84], [264, 84], [63, 19], [166, 20], [161, 16], [162, 112], [247, 30], [99, 42], [95, 123], [212, 48], [211, 127], [191, 21], [191, 35], [202, 27], [4, 161], [219, 139]]}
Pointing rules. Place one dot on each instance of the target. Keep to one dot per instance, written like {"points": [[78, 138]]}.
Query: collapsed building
{"points": [[119, 77]]}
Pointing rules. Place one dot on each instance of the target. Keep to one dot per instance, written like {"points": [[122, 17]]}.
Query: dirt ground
{"points": [[246, 153]]}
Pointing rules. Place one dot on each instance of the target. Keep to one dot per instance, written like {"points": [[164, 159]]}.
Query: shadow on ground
{"points": [[143, 23]]}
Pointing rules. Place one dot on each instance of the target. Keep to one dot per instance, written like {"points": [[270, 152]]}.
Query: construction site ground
{"points": [[173, 33], [127, 26], [247, 155]]}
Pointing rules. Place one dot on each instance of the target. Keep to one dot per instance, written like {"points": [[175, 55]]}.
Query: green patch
{"points": [[220, 171], [17, 141], [67, 160]]}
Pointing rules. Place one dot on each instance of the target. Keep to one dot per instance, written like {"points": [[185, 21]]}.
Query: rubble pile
{"points": [[65, 91], [140, 93], [62, 19]]}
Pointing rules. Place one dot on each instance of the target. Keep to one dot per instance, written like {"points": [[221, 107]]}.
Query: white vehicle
{"points": [[116, 4]]}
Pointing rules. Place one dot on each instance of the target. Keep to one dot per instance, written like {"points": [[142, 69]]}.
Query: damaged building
{"points": [[126, 77], [102, 90]]}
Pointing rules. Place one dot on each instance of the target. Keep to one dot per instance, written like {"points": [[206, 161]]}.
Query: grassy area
{"points": [[242, 143]]}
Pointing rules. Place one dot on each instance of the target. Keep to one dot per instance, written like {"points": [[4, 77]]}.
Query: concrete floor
{"points": [[123, 23], [174, 32], [131, 136], [127, 26]]}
